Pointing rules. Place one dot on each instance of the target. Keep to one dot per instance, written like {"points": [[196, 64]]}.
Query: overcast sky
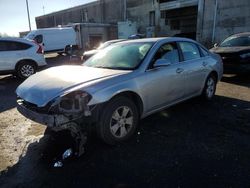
{"points": [[13, 13]]}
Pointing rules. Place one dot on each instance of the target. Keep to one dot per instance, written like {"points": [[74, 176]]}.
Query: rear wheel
{"points": [[210, 87], [26, 69], [67, 50], [118, 121]]}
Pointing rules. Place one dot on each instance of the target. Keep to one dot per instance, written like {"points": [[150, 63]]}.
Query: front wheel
{"points": [[118, 121], [210, 87]]}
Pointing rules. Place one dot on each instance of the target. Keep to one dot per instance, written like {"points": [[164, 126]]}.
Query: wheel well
{"points": [[66, 47], [134, 97], [25, 60], [215, 74], [71, 49]]}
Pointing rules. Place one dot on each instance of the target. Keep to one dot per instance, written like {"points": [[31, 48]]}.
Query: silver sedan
{"points": [[119, 85]]}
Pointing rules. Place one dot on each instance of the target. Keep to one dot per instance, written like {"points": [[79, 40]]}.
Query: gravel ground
{"points": [[193, 144]]}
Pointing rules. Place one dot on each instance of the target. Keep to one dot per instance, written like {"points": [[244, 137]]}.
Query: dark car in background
{"points": [[235, 52]]}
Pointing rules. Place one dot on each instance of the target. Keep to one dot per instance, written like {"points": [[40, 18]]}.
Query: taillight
{"points": [[40, 49]]}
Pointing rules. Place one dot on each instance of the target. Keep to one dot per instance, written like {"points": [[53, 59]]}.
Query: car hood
{"points": [[221, 50], [44, 86], [90, 52]]}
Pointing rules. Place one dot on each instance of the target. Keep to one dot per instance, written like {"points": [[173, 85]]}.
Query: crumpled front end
{"points": [[71, 107]]}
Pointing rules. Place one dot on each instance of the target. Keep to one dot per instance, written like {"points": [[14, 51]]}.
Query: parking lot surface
{"points": [[193, 144]]}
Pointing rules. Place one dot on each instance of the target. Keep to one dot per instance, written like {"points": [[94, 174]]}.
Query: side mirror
{"points": [[162, 63], [215, 45]]}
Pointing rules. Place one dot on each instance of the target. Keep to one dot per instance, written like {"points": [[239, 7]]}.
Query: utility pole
{"points": [[28, 12], [125, 10], [215, 20], [43, 10]]}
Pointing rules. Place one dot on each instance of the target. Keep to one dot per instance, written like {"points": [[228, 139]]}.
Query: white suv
{"points": [[20, 56]]}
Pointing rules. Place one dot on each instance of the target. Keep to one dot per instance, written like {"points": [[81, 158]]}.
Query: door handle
{"points": [[179, 70], [204, 63]]}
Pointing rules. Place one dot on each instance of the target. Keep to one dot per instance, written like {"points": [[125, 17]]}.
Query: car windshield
{"points": [[104, 45], [126, 56], [234, 41], [30, 35]]}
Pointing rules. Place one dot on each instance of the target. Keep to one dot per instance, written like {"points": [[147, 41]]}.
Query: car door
{"points": [[7, 57], [10, 53], [166, 84], [195, 67]]}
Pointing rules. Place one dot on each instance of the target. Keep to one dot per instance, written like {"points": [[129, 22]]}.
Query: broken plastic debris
{"points": [[67, 153], [138, 133], [58, 164], [234, 105]]}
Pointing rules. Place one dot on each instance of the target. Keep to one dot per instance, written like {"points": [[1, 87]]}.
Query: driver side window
{"points": [[167, 51]]}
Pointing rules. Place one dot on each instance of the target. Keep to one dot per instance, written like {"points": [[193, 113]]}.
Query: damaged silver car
{"points": [[119, 85]]}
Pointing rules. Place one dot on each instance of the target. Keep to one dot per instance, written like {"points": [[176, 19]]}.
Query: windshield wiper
{"points": [[103, 67], [114, 68]]}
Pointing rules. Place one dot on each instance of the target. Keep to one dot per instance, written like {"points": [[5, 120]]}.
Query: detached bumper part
{"points": [[72, 107], [49, 120]]}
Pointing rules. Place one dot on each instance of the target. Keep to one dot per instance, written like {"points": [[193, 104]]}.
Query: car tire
{"points": [[25, 69], [67, 50], [118, 121], [209, 87]]}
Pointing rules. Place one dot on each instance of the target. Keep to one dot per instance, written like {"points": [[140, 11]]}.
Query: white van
{"points": [[54, 39]]}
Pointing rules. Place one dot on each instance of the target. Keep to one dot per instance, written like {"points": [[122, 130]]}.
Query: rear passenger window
{"points": [[13, 46], [22, 46], [2, 46], [189, 50]]}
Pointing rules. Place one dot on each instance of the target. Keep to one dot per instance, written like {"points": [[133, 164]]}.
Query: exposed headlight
{"points": [[74, 102], [246, 55]]}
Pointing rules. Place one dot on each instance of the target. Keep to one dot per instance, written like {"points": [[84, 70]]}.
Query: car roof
{"points": [[16, 39], [115, 40], [166, 39], [241, 34]]}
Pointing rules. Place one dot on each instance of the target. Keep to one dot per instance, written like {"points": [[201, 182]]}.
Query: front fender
{"points": [[108, 93]]}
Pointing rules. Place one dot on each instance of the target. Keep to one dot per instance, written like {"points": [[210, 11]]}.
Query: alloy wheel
{"points": [[27, 70], [121, 122], [210, 87]]}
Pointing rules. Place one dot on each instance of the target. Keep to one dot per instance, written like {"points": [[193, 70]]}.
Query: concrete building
{"points": [[207, 21], [95, 21], [218, 19], [101, 11], [164, 17]]}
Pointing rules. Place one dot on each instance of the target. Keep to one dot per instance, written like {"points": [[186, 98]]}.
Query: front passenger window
{"points": [[167, 51]]}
